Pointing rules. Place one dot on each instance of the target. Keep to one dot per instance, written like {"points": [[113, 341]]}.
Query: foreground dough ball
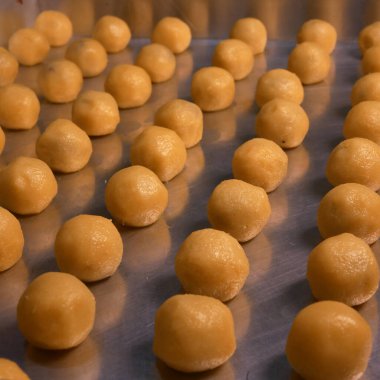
{"points": [[8, 67], [352, 208], [193, 333], [366, 88], [369, 36], [56, 311], [371, 60], [11, 371]]}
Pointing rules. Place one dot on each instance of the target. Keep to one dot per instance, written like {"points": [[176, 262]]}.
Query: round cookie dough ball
{"points": [[239, 208], [2, 140], [252, 31], [27, 186], [329, 340], [173, 33], [11, 371], [8, 67], [56, 311], [212, 89], [158, 61], [371, 60], [283, 121], [260, 162], [60, 81], [309, 62], [355, 160], [369, 36], [130, 85], [366, 88], [56, 27], [193, 333], [19, 107], [135, 196], [352, 208]]}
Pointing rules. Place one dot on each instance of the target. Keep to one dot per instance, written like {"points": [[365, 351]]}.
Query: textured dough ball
{"points": [[213, 89], [173, 33], [130, 85], [366, 88], [283, 121], [371, 60], [329, 340], [2, 140], [135, 196], [352, 208], [27, 186], [369, 36], [310, 62], [11, 371], [56, 311], [239, 208], [8, 67], [193, 333], [260, 162]]}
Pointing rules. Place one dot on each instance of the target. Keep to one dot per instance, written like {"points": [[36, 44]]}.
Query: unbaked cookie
{"points": [[369, 36], [8, 67], [9, 370], [366, 88]]}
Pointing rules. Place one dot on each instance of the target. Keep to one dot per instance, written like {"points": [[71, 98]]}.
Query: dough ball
{"points": [[29, 46], [27, 186], [158, 61], [371, 60], [9, 370], [2, 140], [212, 263], [12, 241], [8, 67], [260, 162], [55, 26], [173, 33], [252, 31], [160, 150], [212, 89], [130, 85], [283, 121], [239, 208], [279, 83], [56, 311], [329, 340], [352, 208], [184, 118], [19, 107], [96, 112], [366, 88], [60, 81], [135, 196], [193, 333], [113, 33], [355, 160], [64, 146], [310, 62], [369, 36], [88, 247], [89, 54]]}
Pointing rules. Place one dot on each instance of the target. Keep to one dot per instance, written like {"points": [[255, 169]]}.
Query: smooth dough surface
{"points": [[2, 140], [371, 60], [8, 67], [369, 36], [9, 370], [366, 88]]}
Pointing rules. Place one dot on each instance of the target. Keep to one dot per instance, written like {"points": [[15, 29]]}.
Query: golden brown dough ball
{"points": [[2, 140], [88, 247], [212, 89], [252, 31], [56, 311], [8, 67], [135, 196], [64, 146], [369, 36], [27, 186], [60, 81], [239, 208], [352, 208], [355, 160], [282, 121], [158, 61], [19, 107], [160, 150], [193, 333], [260, 162], [371, 60], [173, 33], [130, 85], [366, 88], [56, 27], [309, 62], [9, 370]]}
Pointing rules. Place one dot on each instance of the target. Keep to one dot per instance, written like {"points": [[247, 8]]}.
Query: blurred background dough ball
{"points": [[8, 67], [366, 88], [352, 208], [193, 333], [112, 32], [260, 162], [355, 160], [371, 60], [2, 140], [10, 370], [239, 208], [212, 88], [172, 32], [369, 36]]}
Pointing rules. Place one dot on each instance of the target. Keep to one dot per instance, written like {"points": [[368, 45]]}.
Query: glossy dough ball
{"points": [[239, 208], [2, 140], [371, 60], [329, 340], [193, 333], [11, 371], [212, 89], [369, 36], [366, 88], [352, 208], [56, 311], [8, 67]]}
